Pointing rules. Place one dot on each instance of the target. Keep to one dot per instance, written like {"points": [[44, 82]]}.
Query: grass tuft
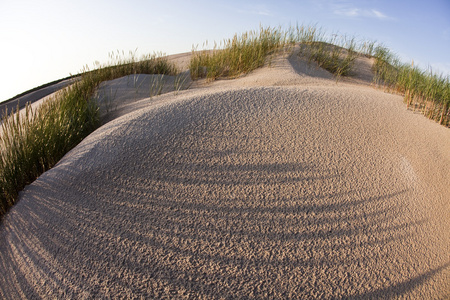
{"points": [[335, 58], [239, 55]]}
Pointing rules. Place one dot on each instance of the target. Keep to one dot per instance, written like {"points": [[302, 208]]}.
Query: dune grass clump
{"points": [[120, 66], [337, 58], [239, 55], [335, 53], [424, 91], [33, 141]]}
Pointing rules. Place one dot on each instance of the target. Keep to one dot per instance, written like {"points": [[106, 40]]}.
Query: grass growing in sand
{"points": [[423, 90], [34, 141], [244, 53], [239, 55], [334, 56]]}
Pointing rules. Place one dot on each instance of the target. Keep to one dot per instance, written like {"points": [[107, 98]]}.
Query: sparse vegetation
{"points": [[156, 85], [423, 91], [239, 55], [34, 141], [181, 82], [246, 52], [334, 58]]}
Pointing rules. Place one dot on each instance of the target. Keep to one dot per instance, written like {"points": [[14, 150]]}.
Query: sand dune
{"points": [[280, 184]]}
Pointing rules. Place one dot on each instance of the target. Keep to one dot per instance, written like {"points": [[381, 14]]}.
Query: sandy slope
{"points": [[279, 184]]}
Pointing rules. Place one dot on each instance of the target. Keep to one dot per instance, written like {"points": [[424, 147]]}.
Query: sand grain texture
{"points": [[276, 185]]}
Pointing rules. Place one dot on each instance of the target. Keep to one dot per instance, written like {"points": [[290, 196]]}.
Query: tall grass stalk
{"points": [[34, 141], [106, 99], [156, 85], [181, 82]]}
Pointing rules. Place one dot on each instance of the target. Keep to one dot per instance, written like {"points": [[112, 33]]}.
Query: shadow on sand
{"points": [[199, 220]]}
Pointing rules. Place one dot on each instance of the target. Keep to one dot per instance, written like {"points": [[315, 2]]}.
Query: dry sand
{"points": [[281, 184]]}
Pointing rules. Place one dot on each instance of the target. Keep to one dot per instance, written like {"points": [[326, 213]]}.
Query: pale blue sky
{"points": [[42, 41]]}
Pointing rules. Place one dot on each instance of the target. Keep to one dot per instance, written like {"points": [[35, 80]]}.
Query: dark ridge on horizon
{"points": [[37, 88]]}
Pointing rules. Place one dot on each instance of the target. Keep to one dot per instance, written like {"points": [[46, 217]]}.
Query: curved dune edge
{"points": [[259, 192]]}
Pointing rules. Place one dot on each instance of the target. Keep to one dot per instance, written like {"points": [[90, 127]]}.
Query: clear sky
{"points": [[44, 40]]}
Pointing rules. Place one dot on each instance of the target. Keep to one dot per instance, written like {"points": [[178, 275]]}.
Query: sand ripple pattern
{"points": [[270, 192]]}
